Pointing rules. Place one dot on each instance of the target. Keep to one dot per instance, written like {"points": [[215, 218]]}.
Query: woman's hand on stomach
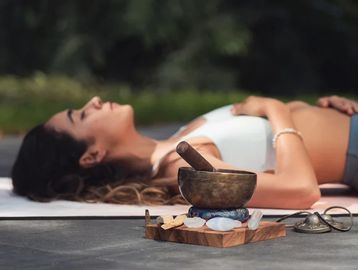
{"points": [[341, 104]]}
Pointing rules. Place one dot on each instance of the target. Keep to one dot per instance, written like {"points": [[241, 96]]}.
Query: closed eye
{"points": [[83, 115]]}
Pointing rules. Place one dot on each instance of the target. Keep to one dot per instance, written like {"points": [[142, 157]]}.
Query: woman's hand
{"points": [[255, 106], [341, 104]]}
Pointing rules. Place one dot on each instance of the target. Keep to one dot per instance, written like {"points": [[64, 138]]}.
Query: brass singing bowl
{"points": [[216, 190]]}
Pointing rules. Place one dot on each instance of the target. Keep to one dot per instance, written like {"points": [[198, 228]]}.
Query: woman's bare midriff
{"points": [[325, 133], [326, 136]]}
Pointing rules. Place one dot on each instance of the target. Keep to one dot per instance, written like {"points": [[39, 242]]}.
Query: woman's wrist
{"points": [[279, 115], [285, 131], [274, 106]]}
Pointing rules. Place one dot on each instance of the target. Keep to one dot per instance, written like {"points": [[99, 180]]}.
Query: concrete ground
{"points": [[120, 243]]}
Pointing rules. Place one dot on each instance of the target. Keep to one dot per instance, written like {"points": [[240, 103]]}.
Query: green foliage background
{"points": [[270, 46], [26, 102], [173, 59]]}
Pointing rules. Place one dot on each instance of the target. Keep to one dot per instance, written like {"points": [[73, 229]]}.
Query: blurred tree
{"points": [[302, 46], [275, 47]]}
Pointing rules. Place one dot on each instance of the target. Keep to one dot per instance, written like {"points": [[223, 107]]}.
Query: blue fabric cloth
{"points": [[241, 214], [351, 171]]}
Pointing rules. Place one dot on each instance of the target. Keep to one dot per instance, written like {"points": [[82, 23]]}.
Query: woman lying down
{"points": [[96, 154]]}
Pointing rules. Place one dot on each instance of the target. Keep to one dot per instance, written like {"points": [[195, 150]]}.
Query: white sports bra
{"points": [[243, 141]]}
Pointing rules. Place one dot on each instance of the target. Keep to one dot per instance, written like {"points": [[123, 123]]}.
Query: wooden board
{"points": [[207, 237]]}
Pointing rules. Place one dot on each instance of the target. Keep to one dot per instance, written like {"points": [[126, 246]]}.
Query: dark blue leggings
{"points": [[351, 171]]}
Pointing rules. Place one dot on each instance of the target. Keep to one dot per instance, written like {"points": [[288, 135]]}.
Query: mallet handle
{"points": [[193, 157]]}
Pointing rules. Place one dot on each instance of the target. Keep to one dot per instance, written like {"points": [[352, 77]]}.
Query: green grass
{"points": [[25, 102]]}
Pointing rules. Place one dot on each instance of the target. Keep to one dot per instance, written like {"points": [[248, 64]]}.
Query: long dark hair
{"points": [[47, 167]]}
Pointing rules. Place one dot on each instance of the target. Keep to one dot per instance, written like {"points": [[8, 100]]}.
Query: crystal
{"points": [[222, 224], [254, 220], [195, 222]]}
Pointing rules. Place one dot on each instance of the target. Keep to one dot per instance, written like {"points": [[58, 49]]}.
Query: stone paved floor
{"points": [[120, 244]]}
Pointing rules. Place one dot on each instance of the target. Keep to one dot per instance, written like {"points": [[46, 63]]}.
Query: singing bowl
{"points": [[216, 190]]}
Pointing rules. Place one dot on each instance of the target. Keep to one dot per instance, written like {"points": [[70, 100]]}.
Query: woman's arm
{"points": [[294, 184], [297, 105]]}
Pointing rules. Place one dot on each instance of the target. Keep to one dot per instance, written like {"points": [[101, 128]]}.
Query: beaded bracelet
{"points": [[285, 131]]}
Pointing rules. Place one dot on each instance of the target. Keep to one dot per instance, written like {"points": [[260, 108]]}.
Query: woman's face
{"points": [[106, 123]]}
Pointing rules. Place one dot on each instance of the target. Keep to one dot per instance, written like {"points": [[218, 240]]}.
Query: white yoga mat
{"points": [[13, 206]]}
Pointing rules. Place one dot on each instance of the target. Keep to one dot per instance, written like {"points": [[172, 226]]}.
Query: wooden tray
{"points": [[206, 237]]}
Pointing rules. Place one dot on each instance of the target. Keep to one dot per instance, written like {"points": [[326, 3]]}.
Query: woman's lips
{"points": [[113, 105]]}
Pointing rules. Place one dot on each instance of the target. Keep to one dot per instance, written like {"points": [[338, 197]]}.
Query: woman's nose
{"points": [[97, 102]]}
